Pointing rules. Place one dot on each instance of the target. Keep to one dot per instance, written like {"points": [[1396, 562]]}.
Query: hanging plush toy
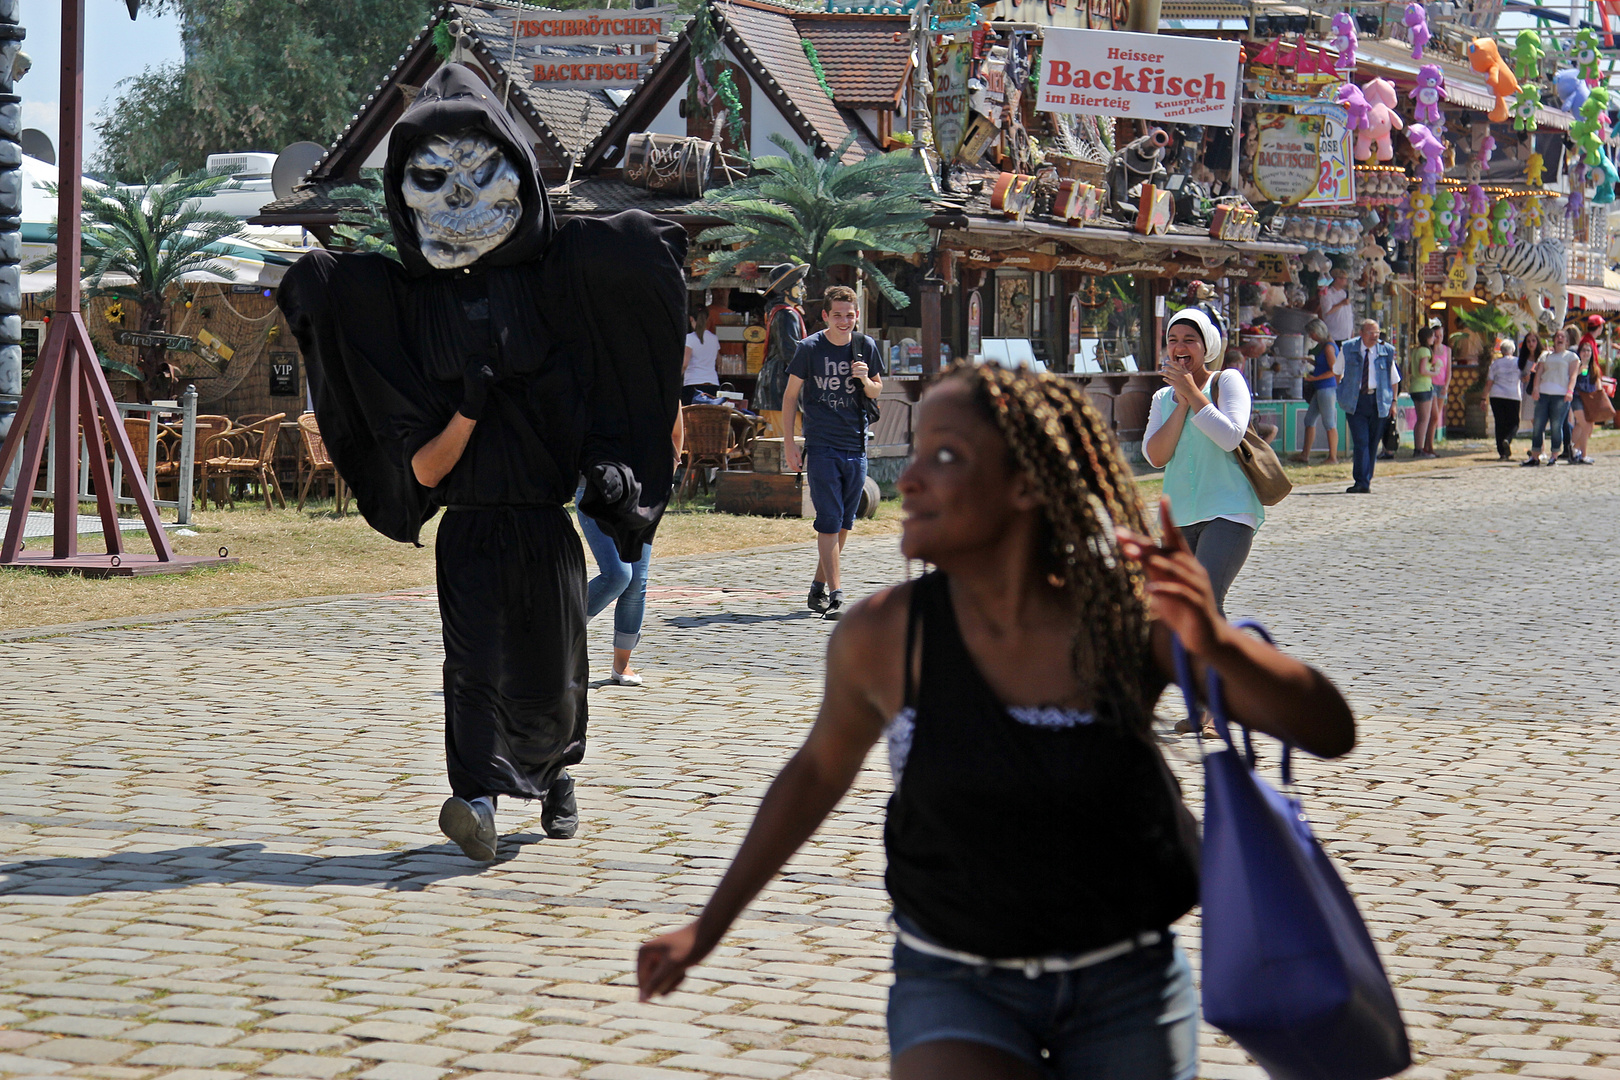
{"points": [[1576, 203], [1504, 222], [1484, 58], [1586, 53], [1525, 107], [1534, 166], [1572, 92], [1445, 217], [1423, 225], [1400, 219], [1427, 92], [1586, 132], [1358, 112], [1344, 40], [1608, 177], [1428, 144], [1381, 119], [1479, 223], [1417, 21], [1527, 54], [1532, 212]]}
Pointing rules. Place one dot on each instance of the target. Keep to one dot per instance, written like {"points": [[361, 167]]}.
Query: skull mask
{"points": [[464, 192]]}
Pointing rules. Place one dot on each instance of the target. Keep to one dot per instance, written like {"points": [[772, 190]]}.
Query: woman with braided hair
{"points": [[1038, 847]]}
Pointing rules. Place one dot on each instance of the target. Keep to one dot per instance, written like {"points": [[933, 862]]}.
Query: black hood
{"points": [[456, 100]]}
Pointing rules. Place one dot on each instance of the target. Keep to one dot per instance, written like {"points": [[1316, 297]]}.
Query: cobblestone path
{"points": [[218, 855]]}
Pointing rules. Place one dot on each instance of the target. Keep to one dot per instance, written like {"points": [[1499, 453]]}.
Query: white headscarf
{"points": [[1214, 350]]}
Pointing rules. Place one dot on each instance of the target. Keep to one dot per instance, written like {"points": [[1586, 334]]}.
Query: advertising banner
{"points": [[949, 104], [1141, 76], [1287, 158], [596, 73], [1336, 178]]}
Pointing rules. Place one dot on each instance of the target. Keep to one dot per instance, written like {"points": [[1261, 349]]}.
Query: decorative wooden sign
{"points": [[1077, 202], [1155, 209], [1013, 195]]}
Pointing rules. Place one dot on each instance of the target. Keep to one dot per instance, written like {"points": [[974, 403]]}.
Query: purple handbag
{"points": [[1289, 970]]}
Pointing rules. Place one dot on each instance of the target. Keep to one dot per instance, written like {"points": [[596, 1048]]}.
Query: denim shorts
{"points": [[1134, 1017], [1420, 396], [1320, 410], [837, 478]]}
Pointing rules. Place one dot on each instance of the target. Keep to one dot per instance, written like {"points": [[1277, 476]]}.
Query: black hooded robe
{"points": [[583, 325]]}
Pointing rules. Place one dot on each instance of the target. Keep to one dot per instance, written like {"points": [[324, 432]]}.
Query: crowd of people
{"points": [[1564, 380]]}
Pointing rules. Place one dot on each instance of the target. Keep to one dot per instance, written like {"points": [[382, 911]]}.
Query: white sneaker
{"points": [[620, 678]]}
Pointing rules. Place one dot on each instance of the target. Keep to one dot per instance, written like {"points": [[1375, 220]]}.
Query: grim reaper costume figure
{"points": [[502, 357]]}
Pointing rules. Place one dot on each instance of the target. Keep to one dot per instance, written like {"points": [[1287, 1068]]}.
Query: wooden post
{"points": [[69, 390], [931, 291]]}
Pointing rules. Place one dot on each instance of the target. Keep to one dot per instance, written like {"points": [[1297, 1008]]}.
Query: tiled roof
{"points": [[770, 39], [865, 65]]}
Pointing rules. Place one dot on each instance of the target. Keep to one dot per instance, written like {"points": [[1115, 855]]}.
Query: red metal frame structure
{"points": [[68, 374]]}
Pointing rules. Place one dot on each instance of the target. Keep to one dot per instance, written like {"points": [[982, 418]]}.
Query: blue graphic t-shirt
{"points": [[831, 396]]}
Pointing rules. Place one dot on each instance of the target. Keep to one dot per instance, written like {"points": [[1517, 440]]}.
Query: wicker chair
{"points": [[247, 453], [710, 442], [316, 462]]}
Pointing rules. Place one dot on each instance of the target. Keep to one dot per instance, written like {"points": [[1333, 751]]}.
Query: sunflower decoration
{"points": [[115, 313]]}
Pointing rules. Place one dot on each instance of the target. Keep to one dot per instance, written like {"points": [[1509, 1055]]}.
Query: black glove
{"points": [[475, 383]]}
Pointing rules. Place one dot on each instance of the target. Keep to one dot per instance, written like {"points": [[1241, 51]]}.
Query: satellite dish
{"points": [[292, 165], [37, 144]]}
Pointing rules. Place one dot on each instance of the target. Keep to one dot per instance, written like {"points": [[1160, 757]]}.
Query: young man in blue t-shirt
{"points": [[833, 374]]}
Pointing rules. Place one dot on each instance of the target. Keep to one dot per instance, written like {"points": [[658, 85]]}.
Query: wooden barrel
{"points": [[668, 163]]}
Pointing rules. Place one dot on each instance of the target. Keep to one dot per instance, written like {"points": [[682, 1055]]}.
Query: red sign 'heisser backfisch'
{"points": [[1142, 76]]}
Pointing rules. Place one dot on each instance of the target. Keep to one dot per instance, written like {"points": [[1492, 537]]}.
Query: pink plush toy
{"points": [[1356, 106], [1417, 21], [1381, 120], [1426, 94], [1428, 144]]}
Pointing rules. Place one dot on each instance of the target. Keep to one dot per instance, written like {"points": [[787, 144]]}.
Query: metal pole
{"points": [[151, 447], [188, 453], [11, 39]]}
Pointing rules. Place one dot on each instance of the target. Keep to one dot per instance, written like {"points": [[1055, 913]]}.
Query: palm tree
{"points": [[154, 234], [824, 213]]}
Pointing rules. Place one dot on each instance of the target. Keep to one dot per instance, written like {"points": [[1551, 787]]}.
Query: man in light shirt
{"points": [[1335, 306], [1367, 393]]}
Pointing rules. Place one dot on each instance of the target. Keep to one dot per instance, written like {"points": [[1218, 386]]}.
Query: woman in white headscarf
{"points": [[1193, 426]]}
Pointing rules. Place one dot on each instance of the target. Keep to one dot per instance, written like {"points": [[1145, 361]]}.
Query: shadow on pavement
{"points": [[155, 871], [686, 622]]}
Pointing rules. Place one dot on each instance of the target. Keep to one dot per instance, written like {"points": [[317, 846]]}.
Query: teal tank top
{"points": [[1202, 481]]}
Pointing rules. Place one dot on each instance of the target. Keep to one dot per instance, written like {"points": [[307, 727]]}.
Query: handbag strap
{"points": [[1215, 701]]}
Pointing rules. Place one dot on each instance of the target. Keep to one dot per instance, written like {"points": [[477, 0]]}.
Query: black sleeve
{"points": [[616, 287], [374, 407]]}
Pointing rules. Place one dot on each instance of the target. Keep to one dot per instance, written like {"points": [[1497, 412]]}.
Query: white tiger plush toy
{"points": [[1539, 270]]}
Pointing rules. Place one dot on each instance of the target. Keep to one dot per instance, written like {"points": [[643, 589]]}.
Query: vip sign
{"points": [[1142, 76]]}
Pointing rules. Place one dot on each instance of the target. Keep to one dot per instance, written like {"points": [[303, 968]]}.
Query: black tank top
{"points": [[1011, 839]]}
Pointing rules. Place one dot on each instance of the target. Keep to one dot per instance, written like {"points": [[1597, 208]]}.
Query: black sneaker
{"points": [[835, 606], [472, 826], [1530, 463], [559, 814], [817, 600]]}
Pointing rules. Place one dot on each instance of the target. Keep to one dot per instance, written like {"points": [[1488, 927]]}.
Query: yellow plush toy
{"points": [[1534, 166], [1532, 211], [1423, 225], [1478, 235]]}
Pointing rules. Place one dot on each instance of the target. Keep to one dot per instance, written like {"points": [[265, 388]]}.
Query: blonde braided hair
{"points": [[1058, 440]]}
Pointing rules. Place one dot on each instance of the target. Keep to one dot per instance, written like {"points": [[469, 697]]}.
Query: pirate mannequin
{"points": [[499, 360], [784, 316]]}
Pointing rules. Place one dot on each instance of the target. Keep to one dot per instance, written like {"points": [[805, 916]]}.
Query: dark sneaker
{"points": [[471, 826], [817, 600], [835, 605], [1530, 463], [559, 815]]}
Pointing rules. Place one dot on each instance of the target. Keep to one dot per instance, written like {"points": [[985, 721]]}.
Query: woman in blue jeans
{"points": [[1554, 388], [1038, 849], [624, 584]]}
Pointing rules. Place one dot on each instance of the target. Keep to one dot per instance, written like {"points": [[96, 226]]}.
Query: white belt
{"points": [[1032, 966]]}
